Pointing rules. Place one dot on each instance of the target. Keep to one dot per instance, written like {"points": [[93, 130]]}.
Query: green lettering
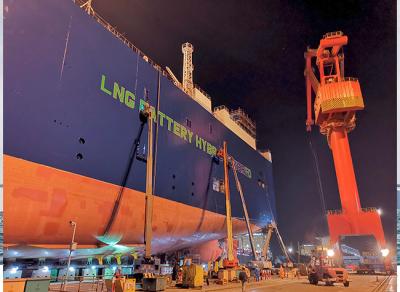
{"points": [[103, 80], [214, 151], [190, 136], [183, 133], [129, 99], [204, 144], [169, 122], [162, 116], [211, 149], [198, 141], [119, 92], [153, 114], [177, 129]]}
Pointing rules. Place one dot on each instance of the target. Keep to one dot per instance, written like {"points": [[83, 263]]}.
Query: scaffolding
{"points": [[244, 121]]}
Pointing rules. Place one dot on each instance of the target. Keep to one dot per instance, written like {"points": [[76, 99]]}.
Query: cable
{"points": [[319, 181], [155, 143], [205, 200], [132, 156], [269, 203]]}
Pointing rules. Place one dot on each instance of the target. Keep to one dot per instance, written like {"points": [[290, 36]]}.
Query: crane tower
{"points": [[337, 98], [187, 76]]}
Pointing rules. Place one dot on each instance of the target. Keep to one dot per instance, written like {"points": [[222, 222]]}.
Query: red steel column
{"points": [[344, 171]]}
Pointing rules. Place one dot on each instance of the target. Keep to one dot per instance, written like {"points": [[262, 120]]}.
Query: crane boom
{"points": [[264, 253], [246, 215], [283, 247], [230, 261], [172, 75]]}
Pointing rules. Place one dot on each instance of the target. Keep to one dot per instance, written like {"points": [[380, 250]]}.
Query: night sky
{"points": [[250, 54]]}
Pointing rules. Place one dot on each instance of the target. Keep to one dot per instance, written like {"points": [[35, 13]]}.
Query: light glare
{"points": [[330, 253], [385, 252], [14, 270]]}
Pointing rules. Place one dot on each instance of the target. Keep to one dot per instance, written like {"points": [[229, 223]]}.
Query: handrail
{"points": [[334, 212], [366, 209], [332, 34], [164, 72], [202, 91], [370, 209], [122, 37], [251, 130]]}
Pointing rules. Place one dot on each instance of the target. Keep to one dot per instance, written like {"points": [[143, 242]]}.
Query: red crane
{"points": [[337, 98]]}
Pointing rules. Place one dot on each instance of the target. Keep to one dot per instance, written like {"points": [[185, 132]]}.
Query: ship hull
{"points": [[72, 94], [52, 197]]}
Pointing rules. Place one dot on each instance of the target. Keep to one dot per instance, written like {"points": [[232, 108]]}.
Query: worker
{"points": [[216, 267], [257, 274], [281, 272], [205, 277], [116, 278], [263, 274], [296, 273], [118, 274], [269, 273], [179, 279], [243, 278], [286, 267], [175, 271]]}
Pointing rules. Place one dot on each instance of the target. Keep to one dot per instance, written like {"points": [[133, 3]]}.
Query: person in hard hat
{"points": [[243, 278]]}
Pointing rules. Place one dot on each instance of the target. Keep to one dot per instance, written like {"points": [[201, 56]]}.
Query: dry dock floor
{"points": [[364, 283]]}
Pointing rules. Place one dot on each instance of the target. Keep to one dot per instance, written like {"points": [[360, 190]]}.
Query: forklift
{"points": [[323, 269]]}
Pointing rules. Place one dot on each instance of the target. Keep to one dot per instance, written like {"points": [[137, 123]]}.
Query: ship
{"points": [[73, 89]]}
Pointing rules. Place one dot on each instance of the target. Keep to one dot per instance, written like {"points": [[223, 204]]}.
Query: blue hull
{"points": [[60, 66]]}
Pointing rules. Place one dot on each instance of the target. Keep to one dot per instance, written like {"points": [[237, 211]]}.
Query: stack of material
{"points": [[193, 276], [154, 284]]}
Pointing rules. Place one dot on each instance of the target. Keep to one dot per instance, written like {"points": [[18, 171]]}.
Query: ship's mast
{"points": [[187, 76]]}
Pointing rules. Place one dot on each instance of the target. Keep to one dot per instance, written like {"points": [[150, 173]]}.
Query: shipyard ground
{"points": [[365, 283], [358, 283]]}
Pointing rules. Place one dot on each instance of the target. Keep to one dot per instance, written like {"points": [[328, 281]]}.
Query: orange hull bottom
{"points": [[39, 202]]}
